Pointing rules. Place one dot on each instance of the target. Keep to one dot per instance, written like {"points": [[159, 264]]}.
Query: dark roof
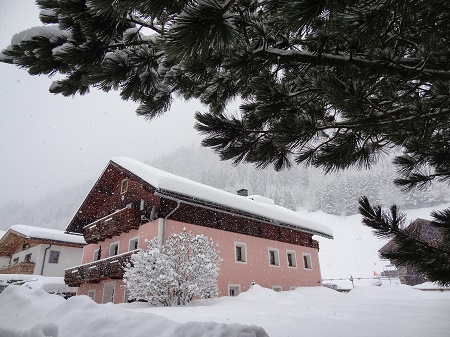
{"points": [[427, 233]]}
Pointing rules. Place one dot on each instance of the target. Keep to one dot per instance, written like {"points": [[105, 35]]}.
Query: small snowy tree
{"points": [[184, 268]]}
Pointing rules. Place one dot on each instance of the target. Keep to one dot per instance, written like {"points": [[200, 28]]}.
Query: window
{"points": [[108, 292], [133, 244], [98, 254], [16, 260], [277, 288], [114, 249], [274, 257], [240, 251], [291, 259], [27, 258], [307, 261], [91, 294], [124, 186], [53, 257], [234, 289]]}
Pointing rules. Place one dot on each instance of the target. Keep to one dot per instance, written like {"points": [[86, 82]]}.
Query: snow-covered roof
{"points": [[169, 182], [48, 234]]}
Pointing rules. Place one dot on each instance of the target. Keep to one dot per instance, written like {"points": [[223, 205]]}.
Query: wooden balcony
{"points": [[19, 268], [94, 272], [114, 224], [314, 244]]}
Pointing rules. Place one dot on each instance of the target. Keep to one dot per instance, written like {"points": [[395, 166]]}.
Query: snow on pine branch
{"points": [[51, 32]]}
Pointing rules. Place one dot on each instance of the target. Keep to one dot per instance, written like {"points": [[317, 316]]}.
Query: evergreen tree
{"points": [[333, 84]]}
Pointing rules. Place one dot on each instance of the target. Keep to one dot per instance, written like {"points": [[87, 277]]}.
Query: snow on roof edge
{"points": [[47, 234], [167, 181]]}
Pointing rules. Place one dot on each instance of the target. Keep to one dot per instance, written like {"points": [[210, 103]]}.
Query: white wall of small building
{"points": [[35, 256], [68, 257]]}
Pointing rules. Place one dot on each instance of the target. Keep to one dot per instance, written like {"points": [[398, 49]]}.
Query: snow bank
{"points": [[371, 311], [431, 286], [22, 308], [28, 312], [55, 285]]}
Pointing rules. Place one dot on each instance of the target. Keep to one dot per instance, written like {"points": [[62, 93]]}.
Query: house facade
{"points": [[132, 202], [4, 260], [39, 251]]}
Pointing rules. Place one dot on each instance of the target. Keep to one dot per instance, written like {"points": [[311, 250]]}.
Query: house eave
{"points": [[232, 211]]}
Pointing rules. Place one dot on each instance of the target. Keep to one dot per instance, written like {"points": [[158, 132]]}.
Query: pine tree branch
{"points": [[228, 6], [390, 226], [389, 67], [145, 24], [126, 45]]}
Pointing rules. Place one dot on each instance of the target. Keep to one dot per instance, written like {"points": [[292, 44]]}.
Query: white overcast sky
{"points": [[49, 142]]}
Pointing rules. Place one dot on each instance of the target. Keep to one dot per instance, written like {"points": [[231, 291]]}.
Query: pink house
{"points": [[131, 202]]}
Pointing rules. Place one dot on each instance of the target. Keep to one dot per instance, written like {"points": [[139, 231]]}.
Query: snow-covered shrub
{"points": [[185, 267]]}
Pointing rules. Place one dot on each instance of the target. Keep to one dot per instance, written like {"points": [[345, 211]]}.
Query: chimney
{"points": [[243, 192]]}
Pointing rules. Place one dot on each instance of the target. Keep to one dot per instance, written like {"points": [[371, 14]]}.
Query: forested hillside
{"points": [[52, 211], [308, 188]]}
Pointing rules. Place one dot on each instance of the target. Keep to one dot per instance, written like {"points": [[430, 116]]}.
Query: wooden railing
{"points": [[94, 272], [19, 268], [114, 224]]}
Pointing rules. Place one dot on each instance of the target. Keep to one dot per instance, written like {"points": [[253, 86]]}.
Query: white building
{"points": [[39, 251]]}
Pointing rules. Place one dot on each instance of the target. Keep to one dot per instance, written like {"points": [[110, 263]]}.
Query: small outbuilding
{"points": [[39, 251]]}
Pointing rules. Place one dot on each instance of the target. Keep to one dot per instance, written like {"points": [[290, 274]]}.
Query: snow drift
{"points": [[28, 312]]}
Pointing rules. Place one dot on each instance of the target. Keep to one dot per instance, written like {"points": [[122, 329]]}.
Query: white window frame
{"points": [[113, 283], [234, 287], [277, 256], [277, 288], [132, 240], [111, 245], [124, 186], [91, 294], [243, 247], [294, 260], [58, 256], [309, 261]]}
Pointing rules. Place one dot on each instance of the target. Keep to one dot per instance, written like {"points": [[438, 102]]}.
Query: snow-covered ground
{"points": [[388, 310], [367, 310]]}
